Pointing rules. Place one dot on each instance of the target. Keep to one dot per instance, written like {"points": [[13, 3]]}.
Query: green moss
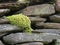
{"points": [[22, 21]]}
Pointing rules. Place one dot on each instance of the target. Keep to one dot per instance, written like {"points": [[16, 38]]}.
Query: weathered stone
{"points": [[30, 37], [1, 43], [36, 1], [57, 5], [56, 31], [37, 19], [39, 10], [4, 20], [49, 25], [55, 18], [21, 37], [8, 28], [32, 43], [11, 5], [4, 11]]}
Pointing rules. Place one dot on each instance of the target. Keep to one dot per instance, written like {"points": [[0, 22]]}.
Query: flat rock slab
{"points": [[4, 11], [56, 31], [8, 28], [37, 19], [32, 43], [11, 5], [48, 25], [4, 21], [39, 10], [28, 37], [55, 18]]}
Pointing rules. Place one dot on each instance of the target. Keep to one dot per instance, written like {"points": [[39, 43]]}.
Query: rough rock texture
{"points": [[45, 18], [37, 19], [55, 18], [56, 31], [27, 37], [8, 28], [41, 10], [21, 37], [49, 25], [4, 11]]}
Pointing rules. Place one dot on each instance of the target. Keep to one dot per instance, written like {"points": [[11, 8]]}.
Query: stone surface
{"points": [[21, 37], [1, 43], [8, 28], [55, 18], [39, 10], [37, 19], [4, 20], [4, 11], [57, 5], [49, 25], [30, 37], [11, 5], [56, 31], [36, 1], [32, 43]]}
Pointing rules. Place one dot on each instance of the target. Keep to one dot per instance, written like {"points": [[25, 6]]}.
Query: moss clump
{"points": [[21, 21]]}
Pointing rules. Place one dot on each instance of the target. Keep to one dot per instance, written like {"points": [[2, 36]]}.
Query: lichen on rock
{"points": [[22, 21]]}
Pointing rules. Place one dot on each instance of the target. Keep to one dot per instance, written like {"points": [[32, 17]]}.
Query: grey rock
{"points": [[56, 31], [21, 37], [4, 21], [1, 43], [37, 19], [39, 10], [11, 5], [30, 37], [57, 5], [4, 11], [8, 28], [32, 43], [55, 18], [48, 25]]}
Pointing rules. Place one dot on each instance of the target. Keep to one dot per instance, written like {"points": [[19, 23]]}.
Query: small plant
{"points": [[22, 21]]}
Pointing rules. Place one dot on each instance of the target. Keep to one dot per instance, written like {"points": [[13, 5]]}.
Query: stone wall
{"points": [[45, 21]]}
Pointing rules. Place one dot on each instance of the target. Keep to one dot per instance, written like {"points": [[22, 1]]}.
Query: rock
{"points": [[4, 20], [36, 1], [56, 31], [4, 11], [21, 37], [1, 43], [55, 18], [11, 5], [2, 34], [8, 28], [30, 37], [32, 43], [57, 5], [39, 10], [37, 19], [49, 25]]}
